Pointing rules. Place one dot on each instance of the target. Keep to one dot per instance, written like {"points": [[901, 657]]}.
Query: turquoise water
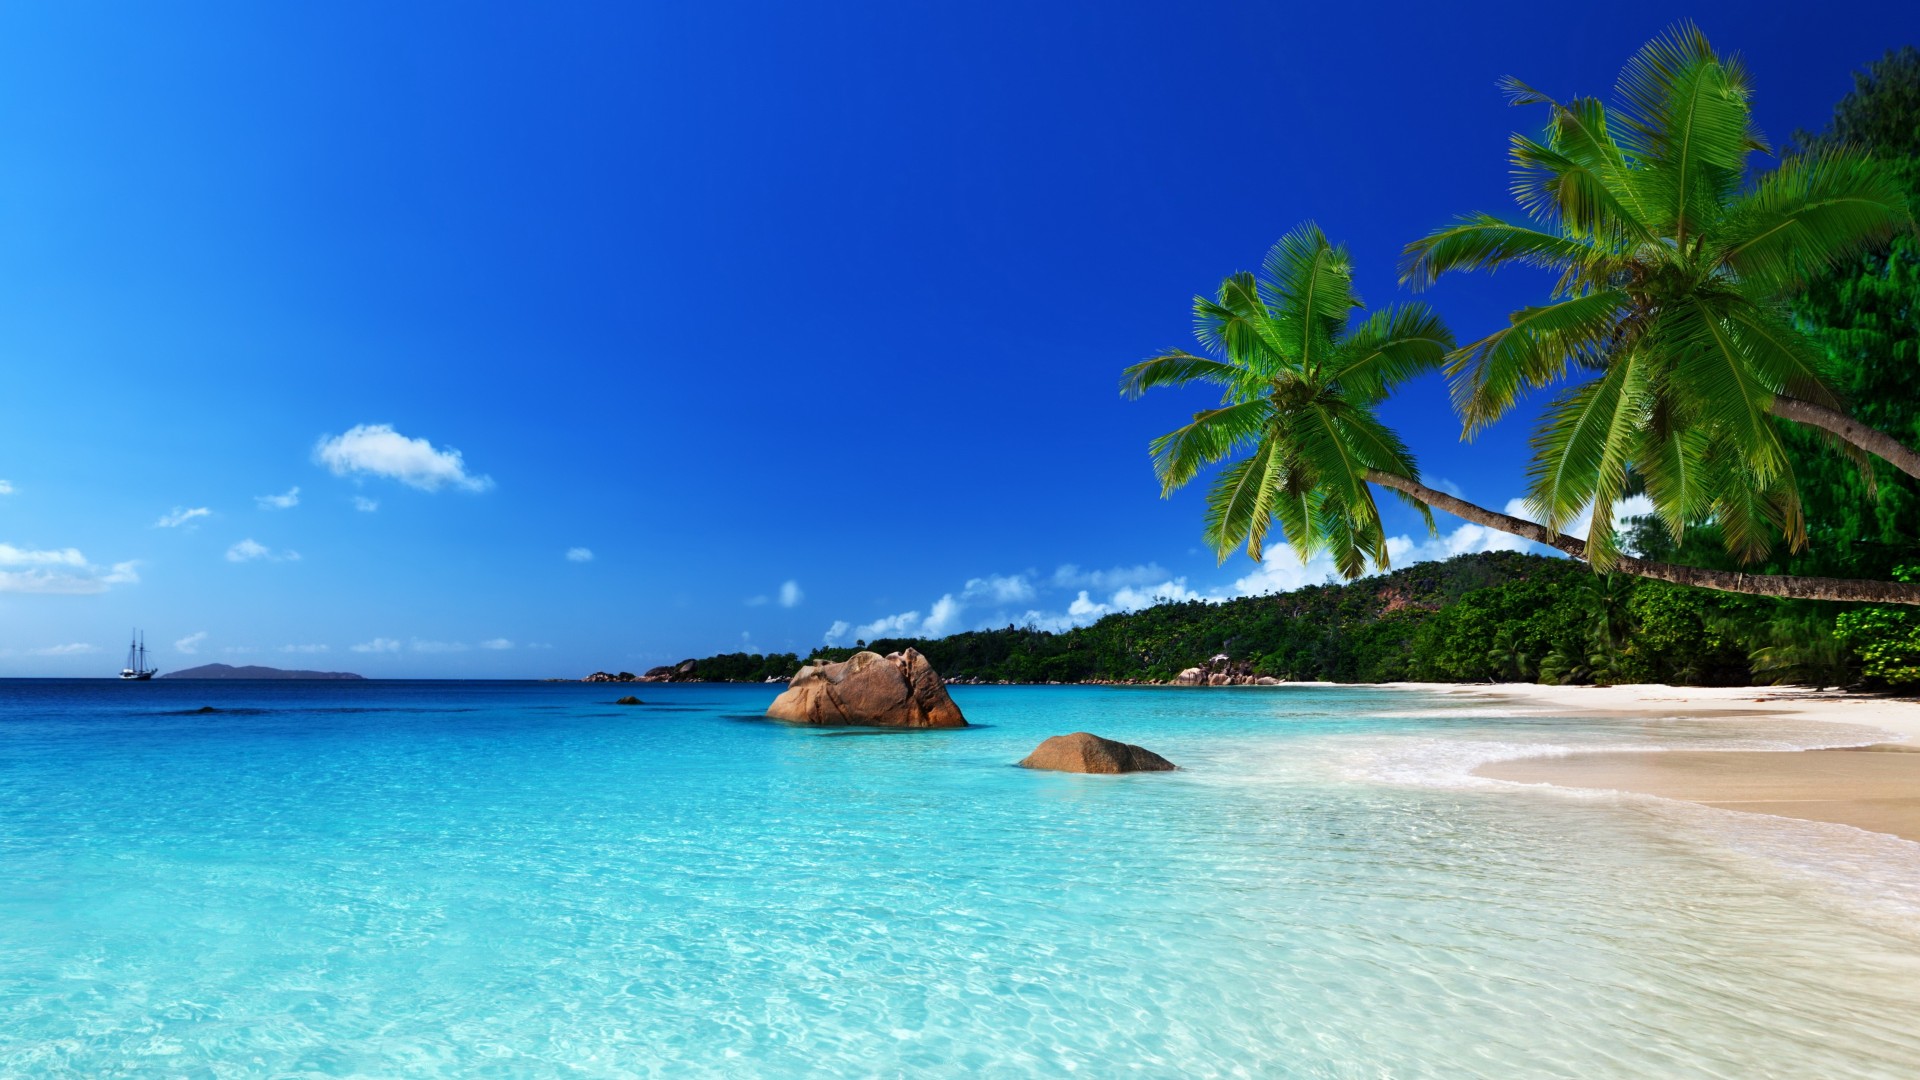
{"points": [[507, 879]]}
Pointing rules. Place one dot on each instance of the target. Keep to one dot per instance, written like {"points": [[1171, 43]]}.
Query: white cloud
{"points": [[944, 618], [438, 646], [378, 450], [75, 649], [5, 488], [1000, 589], [59, 572], [13, 556], [1099, 593], [579, 554], [790, 594], [905, 624], [239, 650], [191, 643], [303, 648], [247, 549], [496, 643], [180, 516], [1629, 507], [365, 505], [279, 502], [377, 645], [251, 550]]}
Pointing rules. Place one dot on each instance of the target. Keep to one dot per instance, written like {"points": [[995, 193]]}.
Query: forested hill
{"points": [[1497, 615]]}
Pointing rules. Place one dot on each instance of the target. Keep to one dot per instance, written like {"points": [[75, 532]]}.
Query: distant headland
{"points": [[254, 671]]}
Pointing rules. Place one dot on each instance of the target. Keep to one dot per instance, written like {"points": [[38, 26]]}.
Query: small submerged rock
{"points": [[629, 700], [1082, 752]]}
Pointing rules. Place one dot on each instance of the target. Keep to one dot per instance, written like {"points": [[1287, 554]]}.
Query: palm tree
{"points": [[1299, 388], [1668, 302], [1300, 385]]}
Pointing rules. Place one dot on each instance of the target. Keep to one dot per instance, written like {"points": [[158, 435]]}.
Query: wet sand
{"points": [[1869, 778], [1873, 787]]}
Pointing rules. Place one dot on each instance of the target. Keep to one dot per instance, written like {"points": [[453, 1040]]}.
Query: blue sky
{"points": [[602, 337]]}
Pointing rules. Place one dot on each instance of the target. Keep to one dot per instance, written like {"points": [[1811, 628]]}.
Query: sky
{"points": [[466, 341]]}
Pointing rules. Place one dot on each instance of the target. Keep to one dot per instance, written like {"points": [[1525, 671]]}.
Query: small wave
{"points": [[1874, 875]]}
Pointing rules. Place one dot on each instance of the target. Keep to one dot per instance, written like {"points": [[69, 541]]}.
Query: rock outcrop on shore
{"points": [[1223, 670], [897, 690], [1083, 752], [680, 672]]}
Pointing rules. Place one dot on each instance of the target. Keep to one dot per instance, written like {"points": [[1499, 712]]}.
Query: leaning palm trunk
{"points": [[1872, 440], [1781, 585]]}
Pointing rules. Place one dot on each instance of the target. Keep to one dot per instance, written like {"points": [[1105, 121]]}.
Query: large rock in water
{"points": [[897, 690], [1085, 753]]}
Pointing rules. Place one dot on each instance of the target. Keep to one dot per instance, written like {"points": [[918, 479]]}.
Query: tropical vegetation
{"points": [[1669, 320], [1301, 381], [1501, 616]]}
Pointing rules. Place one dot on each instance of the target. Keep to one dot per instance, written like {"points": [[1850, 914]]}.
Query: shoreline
{"points": [[1867, 778]]}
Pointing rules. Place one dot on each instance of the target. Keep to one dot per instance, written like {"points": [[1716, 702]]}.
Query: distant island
{"points": [[254, 671]]}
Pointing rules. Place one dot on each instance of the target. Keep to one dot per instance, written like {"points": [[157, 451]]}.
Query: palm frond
{"points": [[1236, 325], [1519, 93], [1177, 367], [1611, 477], [1580, 131], [1579, 179], [1688, 125], [1782, 357], [1376, 446], [1809, 214], [1485, 242], [1534, 349], [1309, 287], [1673, 471], [1212, 436], [1393, 345], [1750, 513], [1711, 366], [1240, 505], [1569, 445], [1296, 505]]}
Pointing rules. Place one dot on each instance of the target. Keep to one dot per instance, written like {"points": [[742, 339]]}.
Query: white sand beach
{"points": [[1867, 780]]}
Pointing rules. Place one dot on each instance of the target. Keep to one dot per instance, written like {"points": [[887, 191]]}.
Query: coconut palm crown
{"points": [[1666, 314], [1300, 383]]}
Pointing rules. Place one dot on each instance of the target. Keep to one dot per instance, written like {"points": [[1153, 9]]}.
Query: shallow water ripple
{"points": [[464, 879]]}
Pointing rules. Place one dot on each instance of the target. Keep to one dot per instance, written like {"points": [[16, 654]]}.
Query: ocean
{"points": [[524, 879]]}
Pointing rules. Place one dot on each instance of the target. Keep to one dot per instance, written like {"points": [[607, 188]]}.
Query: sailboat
{"points": [[137, 659]]}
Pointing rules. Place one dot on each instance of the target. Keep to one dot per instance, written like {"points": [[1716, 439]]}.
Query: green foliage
{"points": [[1299, 386], [1667, 313], [1801, 646], [1865, 317], [1495, 616], [1887, 640], [1505, 631], [747, 667]]}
